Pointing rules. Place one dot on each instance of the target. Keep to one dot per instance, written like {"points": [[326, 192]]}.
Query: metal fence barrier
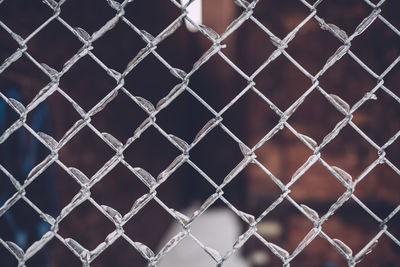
{"points": [[249, 157]]}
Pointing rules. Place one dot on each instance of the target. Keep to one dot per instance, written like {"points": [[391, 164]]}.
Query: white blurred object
{"points": [[218, 228], [194, 13]]}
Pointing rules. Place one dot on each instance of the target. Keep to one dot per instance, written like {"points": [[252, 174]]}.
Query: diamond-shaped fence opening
{"points": [[238, 133]]}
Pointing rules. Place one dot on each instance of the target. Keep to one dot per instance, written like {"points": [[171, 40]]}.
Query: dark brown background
{"points": [[250, 119]]}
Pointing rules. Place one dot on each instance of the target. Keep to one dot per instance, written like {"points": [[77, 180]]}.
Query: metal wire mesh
{"points": [[249, 156]]}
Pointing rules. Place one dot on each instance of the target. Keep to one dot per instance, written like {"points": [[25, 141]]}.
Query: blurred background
{"points": [[252, 191]]}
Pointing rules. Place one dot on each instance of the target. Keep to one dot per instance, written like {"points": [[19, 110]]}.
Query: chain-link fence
{"points": [[152, 121]]}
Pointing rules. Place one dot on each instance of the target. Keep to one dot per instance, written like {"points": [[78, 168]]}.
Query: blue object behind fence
{"points": [[19, 154]]}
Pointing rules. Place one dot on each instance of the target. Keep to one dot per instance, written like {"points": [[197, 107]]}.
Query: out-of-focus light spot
{"points": [[259, 258], [194, 13], [271, 229]]}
